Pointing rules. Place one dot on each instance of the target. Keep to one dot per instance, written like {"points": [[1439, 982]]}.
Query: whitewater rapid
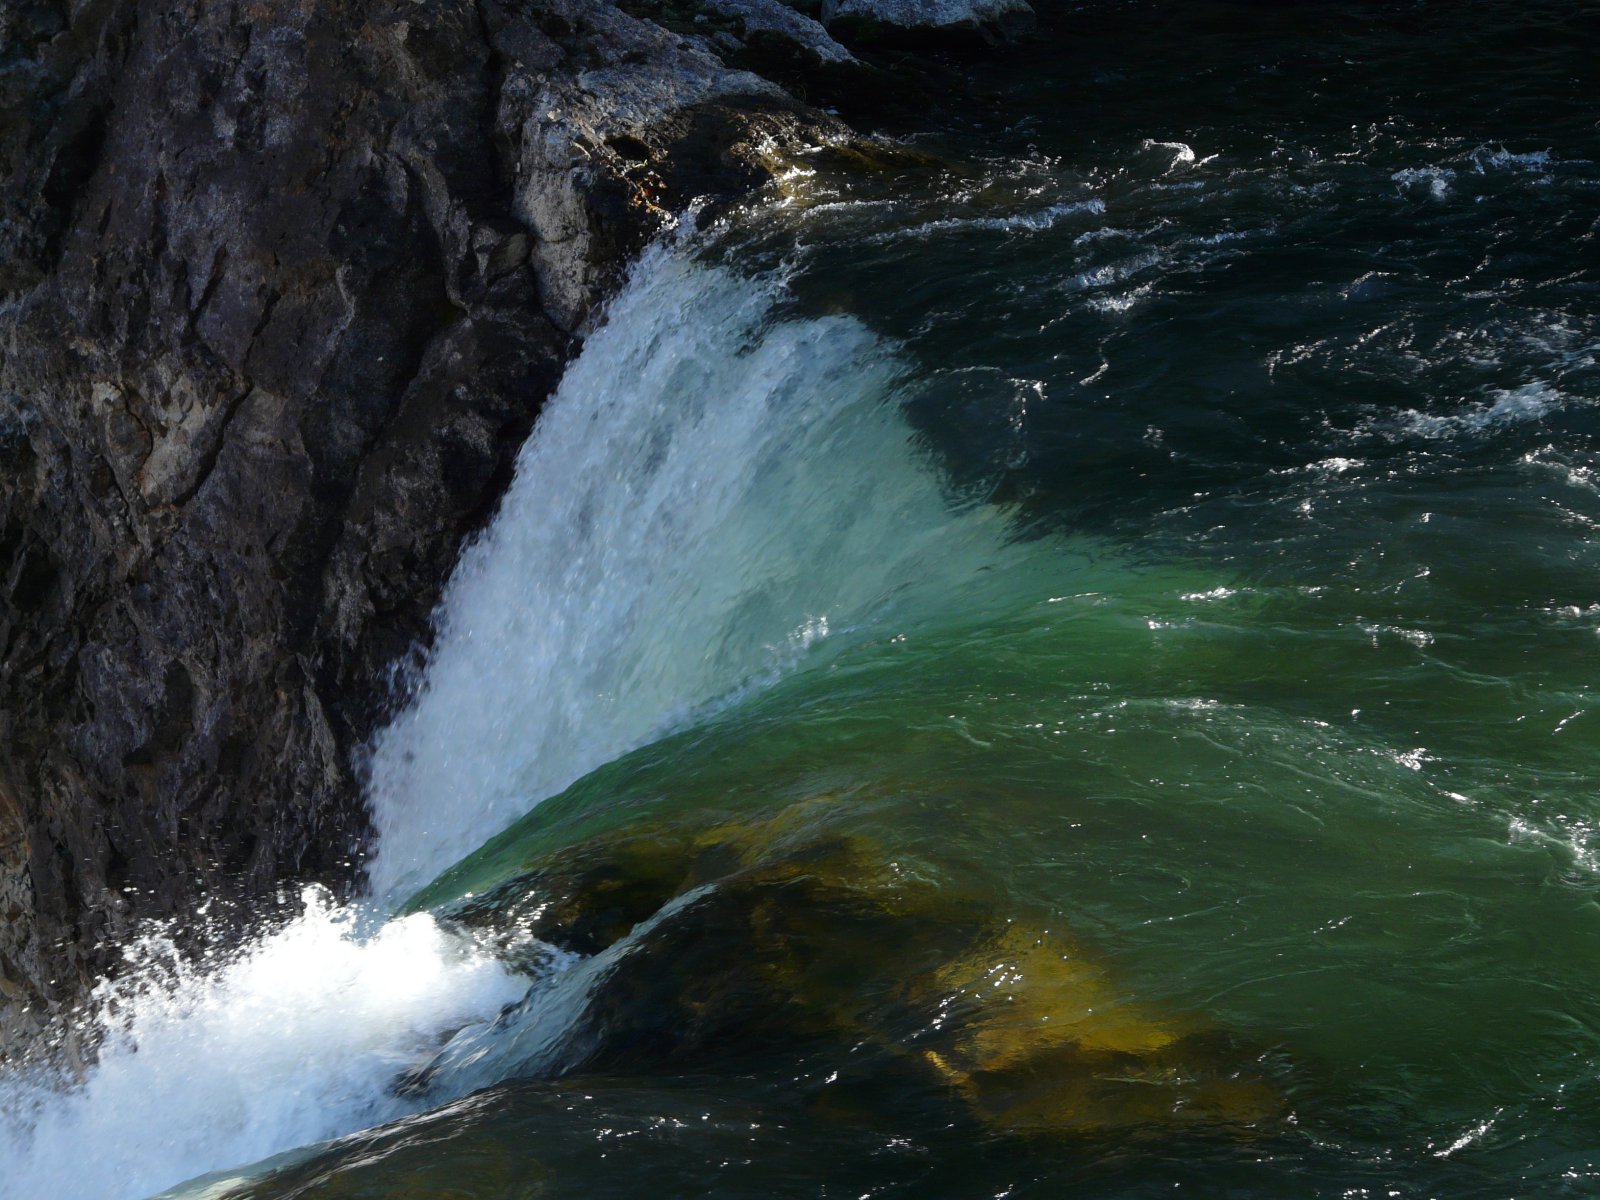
{"points": [[714, 492]]}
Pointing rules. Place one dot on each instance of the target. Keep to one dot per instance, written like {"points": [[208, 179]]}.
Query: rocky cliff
{"points": [[282, 288]]}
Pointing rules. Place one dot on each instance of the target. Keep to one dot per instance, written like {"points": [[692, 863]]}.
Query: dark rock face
{"points": [[282, 288]]}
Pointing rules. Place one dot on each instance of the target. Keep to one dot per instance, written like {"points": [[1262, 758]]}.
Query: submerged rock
{"points": [[729, 949]]}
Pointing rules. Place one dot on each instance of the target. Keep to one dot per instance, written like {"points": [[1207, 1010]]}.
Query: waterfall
{"points": [[714, 492], [710, 494]]}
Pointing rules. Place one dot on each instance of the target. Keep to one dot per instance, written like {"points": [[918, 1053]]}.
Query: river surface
{"points": [[1061, 659]]}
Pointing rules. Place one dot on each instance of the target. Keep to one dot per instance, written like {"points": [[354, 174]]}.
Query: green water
{"points": [[1271, 337], [1368, 856]]}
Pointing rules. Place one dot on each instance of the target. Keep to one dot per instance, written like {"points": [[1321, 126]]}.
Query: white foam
{"points": [[1121, 302], [1026, 222], [1534, 160], [1507, 407], [1436, 180], [1182, 153], [1337, 465], [1107, 232], [1232, 235], [296, 1040], [1110, 274]]}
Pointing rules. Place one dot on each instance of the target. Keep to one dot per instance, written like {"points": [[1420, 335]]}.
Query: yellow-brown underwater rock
{"points": [[756, 938], [1036, 1036]]}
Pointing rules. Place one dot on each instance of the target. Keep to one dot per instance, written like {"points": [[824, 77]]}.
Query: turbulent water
{"points": [[1149, 525]]}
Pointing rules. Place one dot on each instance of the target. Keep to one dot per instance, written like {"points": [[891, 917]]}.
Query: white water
{"points": [[296, 1041], [710, 493]]}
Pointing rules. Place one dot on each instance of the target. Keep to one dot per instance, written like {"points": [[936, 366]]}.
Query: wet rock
{"points": [[774, 19], [738, 946]]}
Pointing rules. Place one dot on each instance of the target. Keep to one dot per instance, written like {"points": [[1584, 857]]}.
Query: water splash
{"points": [[296, 1039]]}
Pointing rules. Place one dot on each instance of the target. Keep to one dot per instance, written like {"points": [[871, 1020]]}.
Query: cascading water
{"points": [[710, 493]]}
